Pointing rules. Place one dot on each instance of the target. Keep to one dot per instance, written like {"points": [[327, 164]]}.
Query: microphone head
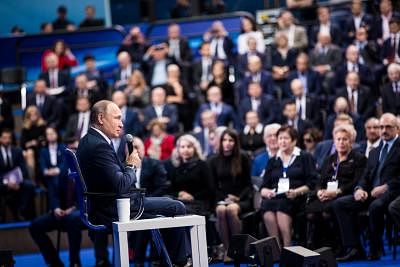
{"points": [[129, 138]]}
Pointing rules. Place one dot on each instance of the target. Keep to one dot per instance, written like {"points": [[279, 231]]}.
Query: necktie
{"points": [[352, 102], [300, 109], [216, 49], [382, 158], [52, 80], [383, 153], [81, 122]]}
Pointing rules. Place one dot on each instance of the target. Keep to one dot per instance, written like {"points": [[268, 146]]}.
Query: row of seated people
{"points": [[344, 184]]}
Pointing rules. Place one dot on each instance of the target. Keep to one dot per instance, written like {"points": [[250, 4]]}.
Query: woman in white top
{"points": [[248, 28]]}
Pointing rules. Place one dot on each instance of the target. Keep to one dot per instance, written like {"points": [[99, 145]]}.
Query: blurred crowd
{"points": [[304, 131]]}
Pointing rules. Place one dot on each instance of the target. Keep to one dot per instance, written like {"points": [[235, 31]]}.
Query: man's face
{"points": [[254, 90], [271, 140], [81, 82], [51, 61], [174, 32], [82, 105], [6, 139], [205, 50], [90, 64], [254, 65], [323, 15], [394, 75], [252, 119], [208, 120], [119, 99], [214, 95], [352, 54], [394, 27], [352, 80], [124, 60], [388, 128], [110, 121], [89, 12], [301, 64], [372, 130], [51, 135], [290, 111], [361, 35], [158, 96], [40, 87]]}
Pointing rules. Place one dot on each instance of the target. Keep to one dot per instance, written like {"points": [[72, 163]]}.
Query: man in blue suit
{"points": [[105, 173], [63, 213], [130, 117]]}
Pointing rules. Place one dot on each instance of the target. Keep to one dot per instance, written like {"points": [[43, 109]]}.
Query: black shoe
{"points": [[351, 255], [103, 263], [374, 256]]}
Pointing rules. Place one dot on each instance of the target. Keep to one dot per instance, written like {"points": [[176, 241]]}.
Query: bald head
{"points": [[297, 88], [124, 59], [352, 54], [254, 64]]}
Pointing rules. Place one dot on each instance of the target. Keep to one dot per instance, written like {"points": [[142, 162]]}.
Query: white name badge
{"points": [[332, 186], [283, 185]]}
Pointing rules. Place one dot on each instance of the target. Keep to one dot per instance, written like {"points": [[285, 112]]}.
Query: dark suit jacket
{"points": [[17, 160], [322, 151], [169, 111], [370, 53], [72, 126], [226, 116], [57, 196], [153, 177], [266, 110], [63, 78], [313, 82], [386, 51], [313, 113], [266, 82], [377, 26], [50, 109], [198, 70], [6, 113], [148, 68], [366, 21], [365, 74], [390, 100], [365, 104], [334, 30], [333, 57], [184, 50], [389, 172], [103, 173], [357, 121], [228, 48], [242, 62], [117, 76], [132, 124]]}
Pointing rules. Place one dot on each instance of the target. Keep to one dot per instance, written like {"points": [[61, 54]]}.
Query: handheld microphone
{"points": [[129, 143]]}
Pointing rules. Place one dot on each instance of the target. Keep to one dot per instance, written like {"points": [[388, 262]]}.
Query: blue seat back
{"points": [[74, 172]]}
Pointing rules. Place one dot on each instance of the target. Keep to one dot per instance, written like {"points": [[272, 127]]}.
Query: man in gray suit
{"points": [[297, 35]]}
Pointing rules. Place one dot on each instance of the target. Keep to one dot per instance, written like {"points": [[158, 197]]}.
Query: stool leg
{"points": [[162, 250], [58, 240]]}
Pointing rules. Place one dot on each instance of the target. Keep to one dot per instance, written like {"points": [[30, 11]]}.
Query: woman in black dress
{"points": [[221, 79], [288, 177], [339, 175], [190, 176], [230, 169]]}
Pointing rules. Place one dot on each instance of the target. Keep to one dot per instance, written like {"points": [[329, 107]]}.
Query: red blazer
{"points": [[63, 61], [167, 145]]}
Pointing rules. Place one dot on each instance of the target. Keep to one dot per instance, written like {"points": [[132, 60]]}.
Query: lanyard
{"points": [[335, 169], [284, 171]]}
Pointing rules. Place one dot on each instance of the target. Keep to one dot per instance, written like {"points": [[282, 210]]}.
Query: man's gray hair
{"points": [[99, 107]]}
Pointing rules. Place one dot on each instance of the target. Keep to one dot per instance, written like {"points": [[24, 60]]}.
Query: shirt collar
{"points": [[102, 134], [295, 153], [258, 129]]}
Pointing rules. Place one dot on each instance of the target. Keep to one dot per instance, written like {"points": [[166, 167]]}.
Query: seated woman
{"points": [[32, 139], [311, 137], [221, 79], [159, 144], [339, 175], [248, 29], [288, 177], [66, 59], [137, 90], [230, 169], [190, 176]]}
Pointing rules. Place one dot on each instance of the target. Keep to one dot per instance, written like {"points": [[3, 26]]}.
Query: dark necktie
{"points": [[300, 109], [382, 158], [352, 102], [80, 127]]}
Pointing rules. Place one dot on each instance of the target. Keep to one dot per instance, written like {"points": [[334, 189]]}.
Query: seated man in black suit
{"points": [[95, 77], [57, 80], [124, 71], [290, 116], [377, 187], [166, 113], [47, 104], [264, 105], [390, 52], [90, 18], [252, 51], [104, 173], [155, 63], [18, 195], [79, 122], [391, 90], [357, 19], [325, 24], [130, 117], [204, 133], [372, 137], [361, 102], [63, 213], [86, 88]]}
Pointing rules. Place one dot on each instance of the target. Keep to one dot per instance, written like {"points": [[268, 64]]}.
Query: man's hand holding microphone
{"points": [[132, 159]]}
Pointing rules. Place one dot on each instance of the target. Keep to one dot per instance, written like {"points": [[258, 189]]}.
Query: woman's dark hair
{"points": [[314, 133], [252, 21], [236, 167], [290, 130]]}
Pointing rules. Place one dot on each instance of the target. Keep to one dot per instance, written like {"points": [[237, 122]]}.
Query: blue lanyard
{"points": [[335, 169], [284, 171]]}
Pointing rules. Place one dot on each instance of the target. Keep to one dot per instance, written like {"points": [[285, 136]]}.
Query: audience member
{"points": [[357, 19], [220, 79], [296, 34], [326, 25], [46, 27], [135, 44], [202, 74], [159, 144], [84, 88], [249, 30], [271, 147], [291, 117], [90, 18], [63, 214], [79, 122], [137, 91], [62, 22], [311, 138], [340, 173], [130, 117], [242, 60], [156, 61], [203, 134], [66, 59], [179, 50], [381, 22], [221, 45], [16, 193], [95, 76], [124, 70], [288, 177], [182, 9], [372, 136], [377, 187], [230, 170], [390, 52], [57, 80], [391, 90], [251, 137]]}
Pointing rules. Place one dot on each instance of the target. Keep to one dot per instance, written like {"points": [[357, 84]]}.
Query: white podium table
{"points": [[197, 236]]}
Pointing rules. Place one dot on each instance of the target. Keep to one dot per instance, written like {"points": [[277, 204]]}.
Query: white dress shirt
{"points": [[53, 154]]}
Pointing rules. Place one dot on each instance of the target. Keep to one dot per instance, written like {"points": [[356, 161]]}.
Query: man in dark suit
{"points": [[104, 173], [94, 76], [155, 63], [307, 106], [63, 212], [264, 105], [390, 51], [202, 75], [18, 196], [327, 25], [256, 74], [224, 112], [124, 71], [90, 18], [361, 102], [391, 90], [372, 137], [130, 117], [78, 123], [310, 79], [378, 186], [357, 19], [381, 21], [221, 44], [203, 134], [167, 113], [291, 117], [57, 80], [84, 87], [352, 64], [47, 105], [242, 63]]}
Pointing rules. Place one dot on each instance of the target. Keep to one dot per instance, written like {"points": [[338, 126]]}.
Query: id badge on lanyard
{"points": [[283, 183], [333, 184]]}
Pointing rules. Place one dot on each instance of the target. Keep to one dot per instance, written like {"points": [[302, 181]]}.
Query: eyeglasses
{"points": [[308, 140], [386, 127]]}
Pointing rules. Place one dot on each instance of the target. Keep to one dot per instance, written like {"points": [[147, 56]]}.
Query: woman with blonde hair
{"points": [[137, 90], [190, 176], [32, 137]]}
